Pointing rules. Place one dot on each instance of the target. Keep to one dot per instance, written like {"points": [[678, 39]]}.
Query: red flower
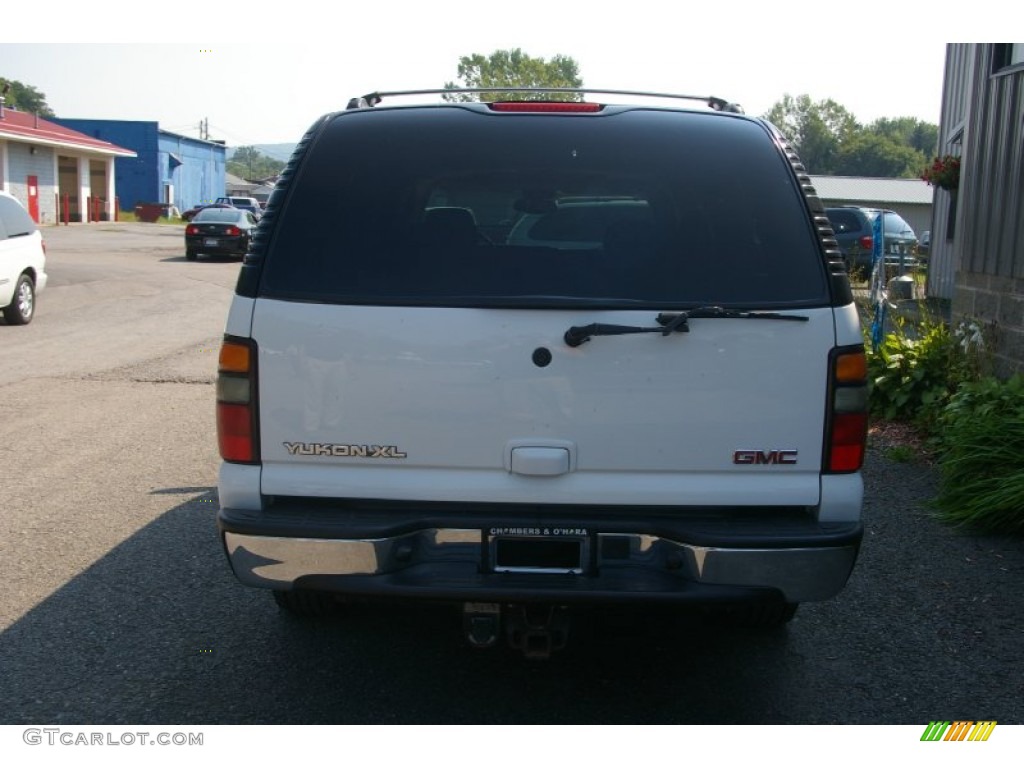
{"points": [[944, 172]]}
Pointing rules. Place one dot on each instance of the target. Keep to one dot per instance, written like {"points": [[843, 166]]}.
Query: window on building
{"points": [[1007, 56], [951, 218]]}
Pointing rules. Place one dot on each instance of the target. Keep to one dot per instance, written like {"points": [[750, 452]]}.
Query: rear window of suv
{"points": [[451, 206], [844, 221]]}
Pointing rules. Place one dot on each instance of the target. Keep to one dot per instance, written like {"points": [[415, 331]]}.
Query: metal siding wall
{"points": [[201, 172], [994, 174], [942, 264], [1011, 246], [136, 178], [200, 178], [990, 283], [165, 146], [974, 192], [23, 164], [140, 175], [919, 217]]}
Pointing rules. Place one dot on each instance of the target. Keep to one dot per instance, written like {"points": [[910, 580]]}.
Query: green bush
{"points": [[910, 375], [981, 441], [917, 368]]}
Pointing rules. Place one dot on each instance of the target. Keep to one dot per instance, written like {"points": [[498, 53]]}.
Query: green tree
{"points": [[249, 163], [915, 133], [830, 141], [514, 68], [817, 129], [871, 154], [25, 97]]}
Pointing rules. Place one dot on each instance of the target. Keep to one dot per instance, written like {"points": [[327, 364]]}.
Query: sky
{"points": [[261, 73]]}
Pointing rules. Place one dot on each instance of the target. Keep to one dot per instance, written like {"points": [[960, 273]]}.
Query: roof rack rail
{"points": [[373, 99]]}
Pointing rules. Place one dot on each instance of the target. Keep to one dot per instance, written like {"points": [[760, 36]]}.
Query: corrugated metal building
{"points": [[170, 168], [978, 252]]}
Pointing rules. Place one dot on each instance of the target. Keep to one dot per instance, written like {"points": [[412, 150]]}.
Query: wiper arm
{"points": [[578, 334], [668, 318], [668, 323]]}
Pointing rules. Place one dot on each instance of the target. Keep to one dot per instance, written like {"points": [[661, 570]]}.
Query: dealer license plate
{"points": [[527, 550]]}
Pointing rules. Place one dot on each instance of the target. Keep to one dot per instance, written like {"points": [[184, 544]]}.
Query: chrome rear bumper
{"points": [[453, 563]]}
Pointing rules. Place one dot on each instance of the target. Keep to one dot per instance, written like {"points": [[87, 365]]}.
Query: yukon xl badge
{"points": [[338, 449], [764, 457]]}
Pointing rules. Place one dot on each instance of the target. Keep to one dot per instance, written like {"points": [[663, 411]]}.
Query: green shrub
{"points": [[918, 367], [981, 441], [910, 375]]}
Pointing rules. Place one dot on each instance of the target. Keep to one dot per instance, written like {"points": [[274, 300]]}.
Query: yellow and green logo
{"points": [[959, 730]]}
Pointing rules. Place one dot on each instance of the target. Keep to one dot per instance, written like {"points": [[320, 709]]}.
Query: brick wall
{"points": [[999, 301]]}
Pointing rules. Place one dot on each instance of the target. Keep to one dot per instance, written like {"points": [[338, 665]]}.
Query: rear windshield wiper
{"points": [[669, 322]]}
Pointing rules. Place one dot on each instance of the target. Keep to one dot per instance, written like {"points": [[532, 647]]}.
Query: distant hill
{"points": [[276, 151]]}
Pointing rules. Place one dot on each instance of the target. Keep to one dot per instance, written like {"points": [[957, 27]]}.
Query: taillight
{"points": [[191, 229], [545, 106], [848, 410], [866, 242], [237, 433], [233, 231]]}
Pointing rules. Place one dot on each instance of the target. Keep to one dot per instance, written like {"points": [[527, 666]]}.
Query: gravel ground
{"points": [[935, 597]]}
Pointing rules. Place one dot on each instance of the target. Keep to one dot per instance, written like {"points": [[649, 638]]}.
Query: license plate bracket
{"points": [[518, 552]]}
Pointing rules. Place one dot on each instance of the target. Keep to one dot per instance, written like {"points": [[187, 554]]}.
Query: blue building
{"points": [[169, 168]]}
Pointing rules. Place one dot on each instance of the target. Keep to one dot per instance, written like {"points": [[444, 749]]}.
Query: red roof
{"points": [[29, 127]]}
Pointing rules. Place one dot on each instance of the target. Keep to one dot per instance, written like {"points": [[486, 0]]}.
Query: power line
{"points": [[177, 128]]}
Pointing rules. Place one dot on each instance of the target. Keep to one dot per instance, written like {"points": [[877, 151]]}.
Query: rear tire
{"points": [[306, 604], [190, 254], [23, 303]]}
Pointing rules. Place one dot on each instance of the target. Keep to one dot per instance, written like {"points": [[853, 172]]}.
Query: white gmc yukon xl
{"points": [[521, 355]]}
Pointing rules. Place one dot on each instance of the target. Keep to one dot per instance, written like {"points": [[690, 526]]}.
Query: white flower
{"points": [[970, 335]]}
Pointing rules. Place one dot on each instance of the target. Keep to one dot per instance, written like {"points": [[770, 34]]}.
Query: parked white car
{"points": [[22, 262]]}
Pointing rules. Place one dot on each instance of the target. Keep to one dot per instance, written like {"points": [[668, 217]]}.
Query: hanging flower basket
{"points": [[944, 172]]}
